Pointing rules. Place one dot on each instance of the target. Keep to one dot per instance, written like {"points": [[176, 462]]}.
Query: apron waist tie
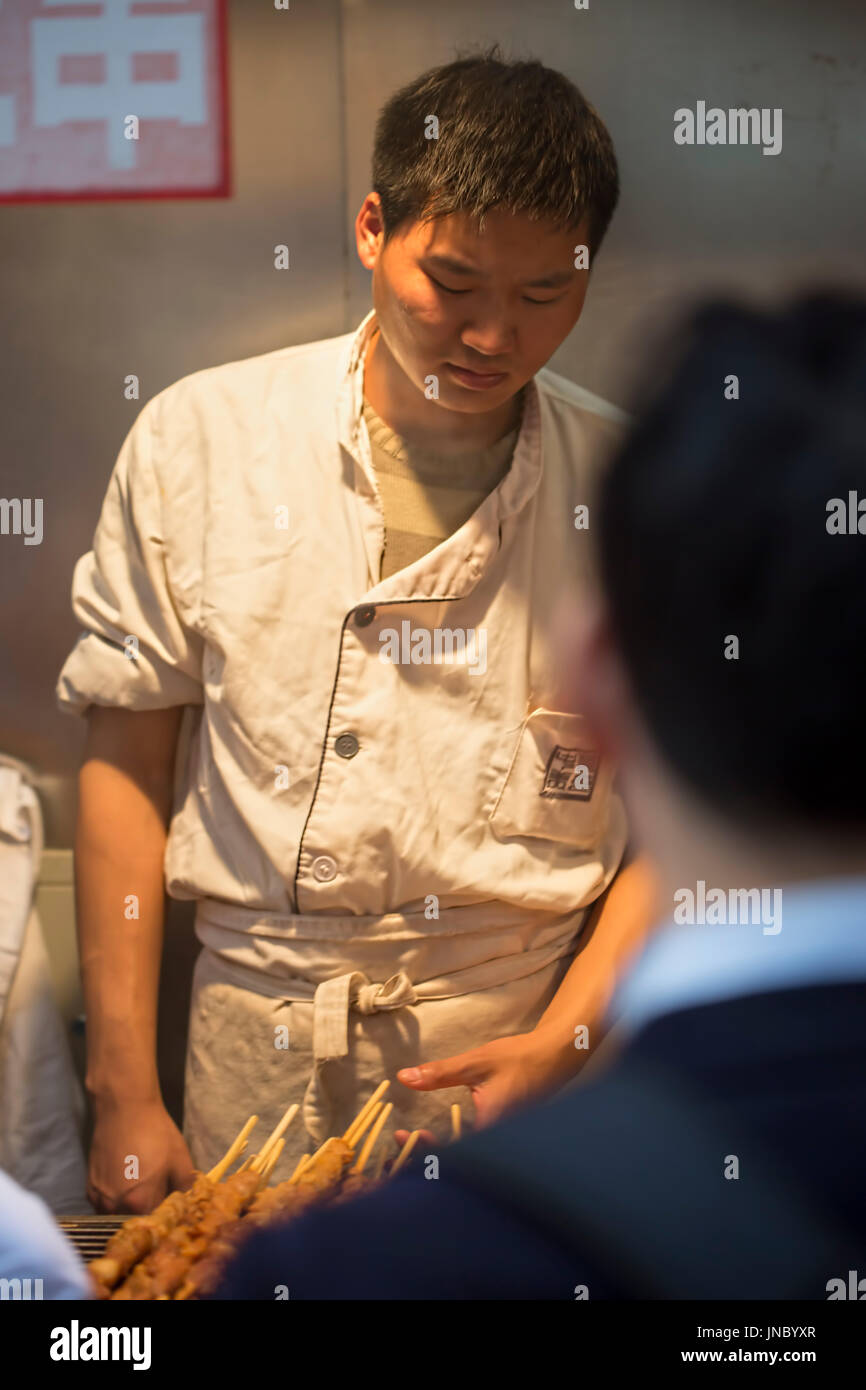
{"points": [[333, 999], [331, 1004]]}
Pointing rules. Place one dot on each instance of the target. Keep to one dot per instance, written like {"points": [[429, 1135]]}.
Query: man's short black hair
{"points": [[713, 523], [516, 135]]}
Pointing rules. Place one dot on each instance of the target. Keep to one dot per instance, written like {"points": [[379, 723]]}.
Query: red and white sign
{"points": [[113, 99]]}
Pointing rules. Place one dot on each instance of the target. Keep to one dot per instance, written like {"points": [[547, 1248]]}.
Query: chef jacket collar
{"points": [[454, 567]]}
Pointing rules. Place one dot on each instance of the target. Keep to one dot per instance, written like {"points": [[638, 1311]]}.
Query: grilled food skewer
{"points": [[319, 1178], [370, 1141], [301, 1165], [351, 1136], [275, 1137], [361, 1129], [380, 1163], [235, 1150], [139, 1235], [166, 1267], [405, 1152], [180, 1249], [271, 1161]]}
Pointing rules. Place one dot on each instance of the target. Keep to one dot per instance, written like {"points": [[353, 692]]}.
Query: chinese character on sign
{"points": [[112, 98], [570, 773]]}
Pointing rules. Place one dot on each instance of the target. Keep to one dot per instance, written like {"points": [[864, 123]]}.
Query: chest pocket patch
{"points": [[557, 786], [571, 773]]}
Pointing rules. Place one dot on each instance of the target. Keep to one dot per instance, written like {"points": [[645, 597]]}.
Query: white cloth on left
{"points": [[41, 1103]]}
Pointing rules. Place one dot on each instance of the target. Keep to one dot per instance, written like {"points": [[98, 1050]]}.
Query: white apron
{"points": [[336, 1006]]}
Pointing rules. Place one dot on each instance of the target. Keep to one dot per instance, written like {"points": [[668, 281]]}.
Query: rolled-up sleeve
{"points": [[138, 650]]}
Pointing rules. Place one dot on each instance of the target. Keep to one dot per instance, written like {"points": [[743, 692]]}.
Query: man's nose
{"points": [[491, 333]]}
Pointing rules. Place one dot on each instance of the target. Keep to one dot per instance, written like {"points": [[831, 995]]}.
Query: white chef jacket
{"points": [[360, 828]]}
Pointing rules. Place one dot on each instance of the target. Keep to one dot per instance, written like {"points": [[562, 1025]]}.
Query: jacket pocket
{"points": [[557, 787]]}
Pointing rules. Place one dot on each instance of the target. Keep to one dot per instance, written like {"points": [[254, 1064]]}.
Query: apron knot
{"points": [[331, 1004], [393, 994]]}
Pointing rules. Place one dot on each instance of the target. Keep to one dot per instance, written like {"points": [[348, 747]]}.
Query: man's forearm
{"points": [[619, 923], [119, 853]]}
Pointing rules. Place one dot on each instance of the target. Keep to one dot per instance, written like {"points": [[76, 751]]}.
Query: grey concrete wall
{"points": [[93, 291]]}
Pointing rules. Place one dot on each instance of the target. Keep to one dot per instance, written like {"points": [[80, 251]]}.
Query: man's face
{"points": [[482, 312]]}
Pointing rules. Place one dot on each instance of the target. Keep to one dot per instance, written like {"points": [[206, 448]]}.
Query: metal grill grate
{"points": [[90, 1234]]}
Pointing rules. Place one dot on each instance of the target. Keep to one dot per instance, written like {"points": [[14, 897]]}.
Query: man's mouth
{"points": [[478, 380]]}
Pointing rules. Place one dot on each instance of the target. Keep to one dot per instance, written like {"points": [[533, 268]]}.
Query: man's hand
{"points": [[146, 1132], [500, 1074], [510, 1071]]}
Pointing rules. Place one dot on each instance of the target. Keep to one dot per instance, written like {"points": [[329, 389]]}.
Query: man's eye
{"points": [[527, 299], [440, 286]]}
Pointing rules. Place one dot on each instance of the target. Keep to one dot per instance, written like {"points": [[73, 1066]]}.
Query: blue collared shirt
{"points": [[822, 941]]}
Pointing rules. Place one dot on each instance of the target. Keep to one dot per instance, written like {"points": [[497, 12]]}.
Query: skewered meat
{"points": [[164, 1269], [353, 1185], [138, 1236], [181, 1248], [274, 1204]]}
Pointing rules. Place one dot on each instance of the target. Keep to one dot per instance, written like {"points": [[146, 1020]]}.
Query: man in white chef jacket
{"points": [[346, 559]]}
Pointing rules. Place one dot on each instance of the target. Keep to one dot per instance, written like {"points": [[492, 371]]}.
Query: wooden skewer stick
{"points": [[271, 1162], [311, 1158], [371, 1139], [261, 1158], [368, 1104], [300, 1170], [234, 1151], [245, 1165], [327, 1144], [360, 1130], [456, 1122], [380, 1090], [403, 1156], [380, 1163]]}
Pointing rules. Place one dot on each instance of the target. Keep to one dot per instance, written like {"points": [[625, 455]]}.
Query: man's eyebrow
{"points": [[455, 267], [551, 281]]}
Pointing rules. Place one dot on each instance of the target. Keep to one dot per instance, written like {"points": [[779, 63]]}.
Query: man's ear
{"points": [[592, 679], [369, 230]]}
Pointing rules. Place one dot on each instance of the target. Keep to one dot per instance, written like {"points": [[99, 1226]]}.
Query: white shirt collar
{"points": [[453, 568]]}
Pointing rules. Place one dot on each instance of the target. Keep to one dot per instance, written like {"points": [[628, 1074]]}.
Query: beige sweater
{"points": [[426, 497]]}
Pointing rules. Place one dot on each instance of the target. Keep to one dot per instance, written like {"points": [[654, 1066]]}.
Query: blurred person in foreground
{"points": [[718, 1149], [36, 1260]]}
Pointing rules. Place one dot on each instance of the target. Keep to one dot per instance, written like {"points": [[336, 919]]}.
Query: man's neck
{"points": [[717, 869], [689, 842], [410, 415]]}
